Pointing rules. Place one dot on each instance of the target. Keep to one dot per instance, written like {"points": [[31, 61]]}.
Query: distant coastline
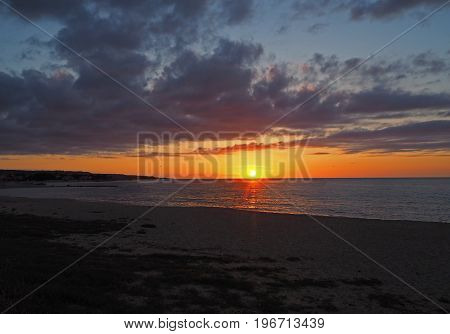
{"points": [[67, 176]]}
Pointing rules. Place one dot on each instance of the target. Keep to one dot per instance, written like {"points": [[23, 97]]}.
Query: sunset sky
{"points": [[226, 67]]}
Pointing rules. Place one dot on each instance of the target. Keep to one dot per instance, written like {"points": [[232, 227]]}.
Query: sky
{"points": [[81, 81]]}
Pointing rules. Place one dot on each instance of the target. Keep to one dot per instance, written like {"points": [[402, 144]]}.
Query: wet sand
{"points": [[202, 260]]}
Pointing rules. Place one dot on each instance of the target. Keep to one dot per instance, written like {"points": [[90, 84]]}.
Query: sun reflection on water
{"points": [[252, 193]]}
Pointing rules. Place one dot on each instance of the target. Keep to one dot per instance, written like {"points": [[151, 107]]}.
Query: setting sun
{"points": [[253, 172]]}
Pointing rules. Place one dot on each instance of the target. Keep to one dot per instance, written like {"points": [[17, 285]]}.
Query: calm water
{"points": [[409, 199]]}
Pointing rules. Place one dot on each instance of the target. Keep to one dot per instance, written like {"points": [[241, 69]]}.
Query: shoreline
{"points": [[6, 199], [203, 260]]}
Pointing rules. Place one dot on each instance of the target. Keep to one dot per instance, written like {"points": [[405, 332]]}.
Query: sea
{"points": [[425, 199]]}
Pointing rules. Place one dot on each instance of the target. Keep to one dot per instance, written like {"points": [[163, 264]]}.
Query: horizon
{"points": [[218, 179]]}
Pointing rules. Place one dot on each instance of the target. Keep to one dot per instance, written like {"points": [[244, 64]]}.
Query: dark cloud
{"points": [[86, 112], [12, 92], [380, 99], [321, 68], [316, 28], [94, 28], [77, 108], [303, 8], [432, 135], [65, 113], [237, 11], [126, 39], [55, 114], [62, 9], [374, 9], [381, 9], [430, 63], [212, 87]]}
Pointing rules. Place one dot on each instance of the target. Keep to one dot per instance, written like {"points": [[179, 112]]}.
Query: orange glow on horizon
{"points": [[332, 164]]}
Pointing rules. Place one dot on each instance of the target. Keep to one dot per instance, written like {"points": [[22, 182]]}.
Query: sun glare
{"points": [[252, 173]]}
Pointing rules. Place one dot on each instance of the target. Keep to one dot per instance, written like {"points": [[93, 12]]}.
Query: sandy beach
{"points": [[203, 260]]}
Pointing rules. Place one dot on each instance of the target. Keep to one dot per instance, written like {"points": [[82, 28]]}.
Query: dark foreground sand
{"points": [[201, 260]]}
